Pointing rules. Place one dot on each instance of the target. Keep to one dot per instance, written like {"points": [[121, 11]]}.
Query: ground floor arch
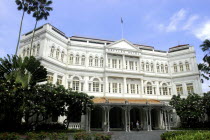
{"points": [[96, 121], [116, 118]]}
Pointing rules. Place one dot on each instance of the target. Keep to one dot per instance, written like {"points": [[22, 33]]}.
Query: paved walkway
{"points": [[140, 135]]}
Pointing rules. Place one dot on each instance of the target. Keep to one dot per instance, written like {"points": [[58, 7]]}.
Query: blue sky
{"points": [[159, 23]]}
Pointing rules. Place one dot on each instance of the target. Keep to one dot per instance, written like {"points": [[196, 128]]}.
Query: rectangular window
{"points": [[136, 65], [101, 62], [75, 85], [126, 64], [59, 80], [128, 88], [179, 89], [114, 87], [91, 62], [120, 88], [69, 85], [154, 90], [131, 65], [119, 62], [160, 91], [114, 63], [50, 78], [95, 86], [169, 91], [102, 88], [133, 91], [190, 88], [109, 65], [137, 88], [83, 61], [89, 87]]}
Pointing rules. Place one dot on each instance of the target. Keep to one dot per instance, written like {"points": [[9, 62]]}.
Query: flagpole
{"points": [[122, 27]]}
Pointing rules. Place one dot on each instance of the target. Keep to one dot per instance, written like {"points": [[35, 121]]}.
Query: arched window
{"points": [[95, 85], [165, 89], [181, 66], [152, 67], [77, 59], [162, 68], [52, 51], [83, 60], [175, 68], [187, 65], [142, 66], [147, 66], [96, 61], [149, 88], [37, 49], [24, 52], [57, 53], [90, 61], [71, 59], [166, 68], [158, 67], [75, 84], [28, 51], [34, 50], [102, 62], [62, 56]]}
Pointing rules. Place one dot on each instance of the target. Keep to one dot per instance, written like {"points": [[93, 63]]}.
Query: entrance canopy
{"points": [[125, 101]]}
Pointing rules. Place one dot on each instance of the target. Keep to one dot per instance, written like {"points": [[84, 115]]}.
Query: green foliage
{"points": [[206, 100], [44, 135], [190, 110], [186, 135], [27, 71], [82, 136], [102, 136], [9, 136], [205, 66]]}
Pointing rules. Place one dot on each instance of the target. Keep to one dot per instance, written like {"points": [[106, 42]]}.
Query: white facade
{"points": [[114, 69]]}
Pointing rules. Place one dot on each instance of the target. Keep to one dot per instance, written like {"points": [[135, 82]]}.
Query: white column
{"points": [[150, 119], [147, 119], [166, 126], [85, 88], [129, 120], [108, 120], [126, 124], [169, 120], [89, 120], [105, 119]]}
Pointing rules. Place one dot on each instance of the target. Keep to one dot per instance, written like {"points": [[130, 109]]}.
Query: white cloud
{"points": [[203, 32], [175, 20], [189, 23]]}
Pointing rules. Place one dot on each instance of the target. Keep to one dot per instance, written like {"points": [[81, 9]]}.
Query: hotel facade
{"points": [[130, 82]]}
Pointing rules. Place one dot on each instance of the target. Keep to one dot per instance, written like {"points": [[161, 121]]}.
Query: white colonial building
{"points": [[130, 82]]}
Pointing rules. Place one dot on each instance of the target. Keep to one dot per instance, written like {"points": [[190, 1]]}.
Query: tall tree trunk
{"points": [[33, 37], [21, 23]]}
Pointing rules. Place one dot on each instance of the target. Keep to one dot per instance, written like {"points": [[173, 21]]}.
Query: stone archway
{"points": [[96, 121], [116, 118]]}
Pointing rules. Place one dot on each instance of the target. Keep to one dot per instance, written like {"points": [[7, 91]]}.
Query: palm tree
{"points": [[205, 66], [41, 12], [27, 71], [25, 6]]}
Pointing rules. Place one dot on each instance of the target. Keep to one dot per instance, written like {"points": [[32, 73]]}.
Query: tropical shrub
{"points": [[9, 136], [82, 136], [44, 135], [102, 136]]}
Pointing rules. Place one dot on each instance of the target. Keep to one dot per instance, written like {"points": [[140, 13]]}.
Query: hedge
{"points": [[186, 135], [89, 136]]}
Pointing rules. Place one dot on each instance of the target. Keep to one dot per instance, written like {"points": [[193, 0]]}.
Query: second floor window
{"points": [[71, 59], [75, 84], [175, 68], [114, 87], [179, 89], [165, 89], [149, 88], [187, 66], [131, 65], [181, 67], [52, 51], [90, 61], [59, 80], [114, 63], [50, 78], [96, 61], [95, 85], [77, 59], [57, 53], [133, 91], [190, 88], [101, 62], [83, 60]]}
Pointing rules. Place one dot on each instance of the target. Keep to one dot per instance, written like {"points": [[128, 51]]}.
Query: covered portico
{"points": [[111, 114]]}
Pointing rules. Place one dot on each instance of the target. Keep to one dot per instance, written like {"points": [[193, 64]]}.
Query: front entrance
{"points": [[116, 118], [96, 118]]}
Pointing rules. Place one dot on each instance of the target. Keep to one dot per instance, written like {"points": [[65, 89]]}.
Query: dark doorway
{"points": [[116, 118], [96, 118]]}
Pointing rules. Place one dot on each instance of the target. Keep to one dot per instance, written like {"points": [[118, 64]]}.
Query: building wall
{"points": [[118, 69]]}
